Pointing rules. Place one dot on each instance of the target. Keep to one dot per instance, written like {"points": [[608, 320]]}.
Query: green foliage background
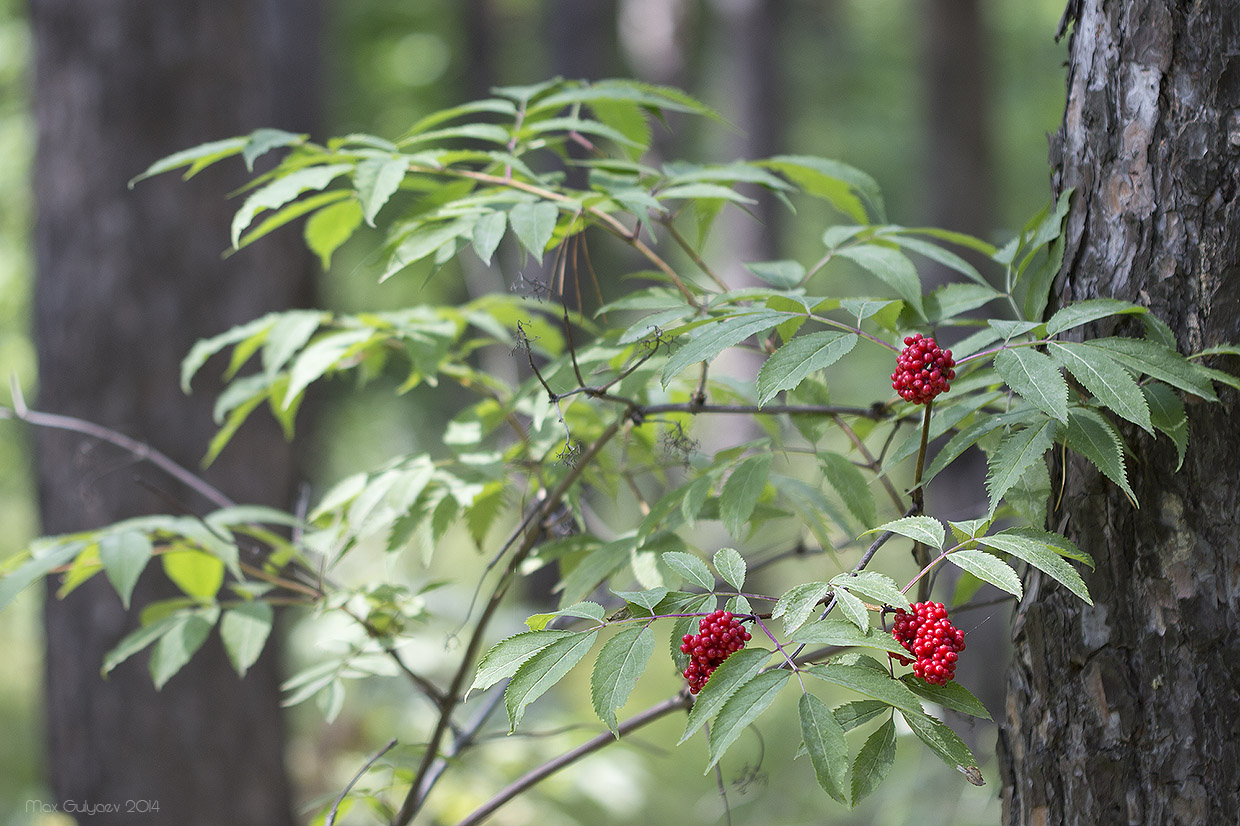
{"points": [[854, 94]]}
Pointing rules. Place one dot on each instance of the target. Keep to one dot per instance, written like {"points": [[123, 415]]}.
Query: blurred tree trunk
{"points": [[126, 282], [1125, 712]]}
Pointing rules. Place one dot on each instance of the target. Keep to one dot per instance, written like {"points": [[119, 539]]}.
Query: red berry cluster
{"points": [[922, 370], [929, 635], [720, 635]]}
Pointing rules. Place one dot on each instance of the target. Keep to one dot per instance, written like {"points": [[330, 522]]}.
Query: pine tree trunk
{"points": [[1125, 713], [126, 282]]}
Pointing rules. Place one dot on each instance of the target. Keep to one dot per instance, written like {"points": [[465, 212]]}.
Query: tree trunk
{"points": [[1125, 712], [126, 282]]}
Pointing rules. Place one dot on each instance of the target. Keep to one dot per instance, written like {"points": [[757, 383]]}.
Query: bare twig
{"points": [[331, 816]]}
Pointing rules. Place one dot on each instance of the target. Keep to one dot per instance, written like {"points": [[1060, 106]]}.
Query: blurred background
{"points": [[946, 102]]}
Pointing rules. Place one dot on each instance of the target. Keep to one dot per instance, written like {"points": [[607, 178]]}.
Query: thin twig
{"points": [[549, 768], [331, 816], [921, 555]]}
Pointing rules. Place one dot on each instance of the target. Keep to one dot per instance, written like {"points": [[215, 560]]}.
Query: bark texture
{"points": [[126, 282], [1124, 713]]}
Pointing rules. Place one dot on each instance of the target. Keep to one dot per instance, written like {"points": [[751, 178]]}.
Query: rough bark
{"points": [[126, 282], [1124, 712]]}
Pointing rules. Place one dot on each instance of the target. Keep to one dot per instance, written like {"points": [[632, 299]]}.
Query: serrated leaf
{"points": [[288, 335], [282, 190], [741, 709], [844, 633], [733, 673], [488, 232], [791, 364], [1036, 377], [874, 683], [892, 267], [376, 180], [691, 568], [953, 696], [1041, 557], [951, 300], [796, 605], [621, 661], [741, 492], [507, 655], [853, 608], [262, 141], [1017, 451], [178, 644], [138, 639], [1083, 312], [828, 749], [198, 574], [533, 224], [1109, 383], [643, 599], [846, 479], [1091, 435], [846, 188], [1158, 362], [124, 557], [878, 587], [731, 566], [859, 712], [945, 743], [426, 240], [330, 227], [581, 610], [873, 761], [1056, 542], [783, 275], [715, 337], [990, 568], [924, 529], [319, 357], [543, 670], [244, 631], [1168, 416], [203, 349]]}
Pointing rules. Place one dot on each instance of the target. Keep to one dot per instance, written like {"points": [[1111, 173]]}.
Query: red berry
{"points": [[928, 634], [922, 370], [719, 636]]}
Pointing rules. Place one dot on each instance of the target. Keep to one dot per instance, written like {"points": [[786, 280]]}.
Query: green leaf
{"points": [[691, 568], [244, 630], [291, 212], [1091, 435], [205, 152], [198, 574], [950, 260], [282, 190], [846, 188], [737, 670], [876, 684], [322, 355], [844, 633], [1041, 557], [235, 419], [533, 224], [859, 712], [878, 587], [1159, 362], [488, 232], [741, 709], [1036, 377], [946, 744], [138, 639], [428, 239], [1110, 384], [376, 180], [1017, 451], [731, 566], [581, 610], [288, 335], [543, 670], [36, 568], [1083, 312], [783, 275], [621, 661], [507, 655], [924, 529], [796, 605], [646, 600], [203, 349], [788, 366], [330, 227], [715, 337], [951, 300], [953, 696], [990, 568], [846, 479], [853, 608], [262, 141], [873, 761], [1168, 416], [178, 644], [124, 557], [892, 267], [741, 492], [1056, 542], [827, 747]]}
